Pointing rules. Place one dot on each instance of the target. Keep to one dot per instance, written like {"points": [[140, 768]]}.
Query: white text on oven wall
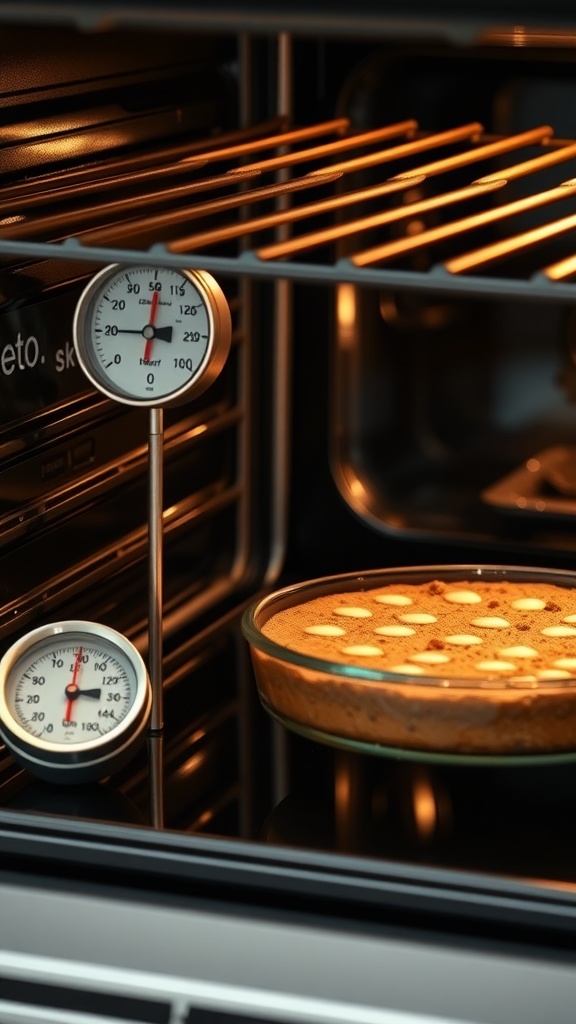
{"points": [[25, 354]]}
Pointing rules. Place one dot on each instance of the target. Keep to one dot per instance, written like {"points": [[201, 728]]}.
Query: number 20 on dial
{"points": [[152, 336]]}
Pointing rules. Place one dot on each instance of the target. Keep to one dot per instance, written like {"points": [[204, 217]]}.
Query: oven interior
{"points": [[391, 219]]}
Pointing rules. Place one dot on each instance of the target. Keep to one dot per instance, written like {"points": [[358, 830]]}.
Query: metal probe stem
{"points": [[155, 566], [156, 768]]}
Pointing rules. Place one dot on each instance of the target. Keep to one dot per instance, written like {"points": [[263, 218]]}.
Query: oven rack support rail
{"points": [[365, 18], [436, 280], [374, 200]]}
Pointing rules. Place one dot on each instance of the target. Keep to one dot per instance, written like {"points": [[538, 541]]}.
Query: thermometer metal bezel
{"points": [[217, 349], [92, 758]]}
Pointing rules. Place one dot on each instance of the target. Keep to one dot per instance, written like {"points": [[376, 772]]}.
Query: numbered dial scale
{"points": [[75, 699], [152, 336]]}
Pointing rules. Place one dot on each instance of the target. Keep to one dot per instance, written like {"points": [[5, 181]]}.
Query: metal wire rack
{"points": [[323, 204]]}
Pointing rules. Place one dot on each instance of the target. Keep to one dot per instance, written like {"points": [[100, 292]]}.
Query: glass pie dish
{"points": [[449, 663]]}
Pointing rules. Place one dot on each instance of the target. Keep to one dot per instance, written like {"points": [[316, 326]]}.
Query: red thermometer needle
{"points": [[72, 687], [152, 321]]}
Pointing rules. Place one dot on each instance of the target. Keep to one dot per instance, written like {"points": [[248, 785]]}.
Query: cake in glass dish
{"points": [[448, 661]]}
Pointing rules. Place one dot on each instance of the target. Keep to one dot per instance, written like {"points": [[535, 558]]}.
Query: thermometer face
{"points": [[74, 698], [152, 336]]}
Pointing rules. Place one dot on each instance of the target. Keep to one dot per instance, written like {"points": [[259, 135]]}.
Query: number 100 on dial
{"points": [[152, 336]]}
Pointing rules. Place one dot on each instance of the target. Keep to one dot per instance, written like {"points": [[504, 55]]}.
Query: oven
{"points": [[386, 198]]}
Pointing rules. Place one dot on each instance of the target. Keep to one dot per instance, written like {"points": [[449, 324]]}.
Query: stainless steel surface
{"points": [[265, 969]]}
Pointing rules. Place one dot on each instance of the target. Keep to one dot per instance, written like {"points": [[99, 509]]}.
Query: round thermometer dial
{"points": [[152, 336], [75, 699]]}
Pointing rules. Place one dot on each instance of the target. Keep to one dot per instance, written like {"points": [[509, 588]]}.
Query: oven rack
{"points": [[262, 203]]}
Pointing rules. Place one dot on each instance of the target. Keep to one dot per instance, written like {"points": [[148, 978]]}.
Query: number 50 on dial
{"points": [[152, 336]]}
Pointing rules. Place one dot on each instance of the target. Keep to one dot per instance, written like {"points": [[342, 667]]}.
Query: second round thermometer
{"points": [[75, 699], [152, 336]]}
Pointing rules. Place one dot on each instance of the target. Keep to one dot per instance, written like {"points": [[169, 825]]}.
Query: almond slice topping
{"points": [[496, 666], [558, 631], [353, 612], [430, 657], [463, 639], [325, 629], [491, 622], [397, 599], [418, 618], [362, 650], [529, 604], [395, 630], [553, 673], [462, 597], [518, 652]]}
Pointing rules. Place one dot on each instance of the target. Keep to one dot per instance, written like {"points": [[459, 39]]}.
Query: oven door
{"points": [[148, 927]]}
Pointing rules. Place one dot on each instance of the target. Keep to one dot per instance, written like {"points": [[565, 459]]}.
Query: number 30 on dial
{"points": [[152, 336]]}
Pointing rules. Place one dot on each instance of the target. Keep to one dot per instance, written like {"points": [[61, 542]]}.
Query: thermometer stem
{"points": [[155, 563]]}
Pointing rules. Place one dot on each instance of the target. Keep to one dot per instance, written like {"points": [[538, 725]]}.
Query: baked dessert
{"points": [[478, 665]]}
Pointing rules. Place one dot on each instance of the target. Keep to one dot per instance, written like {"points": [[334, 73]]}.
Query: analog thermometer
{"points": [[75, 699], [151, 336]]}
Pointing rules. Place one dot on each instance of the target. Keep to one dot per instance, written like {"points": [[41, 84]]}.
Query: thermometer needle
{"points": [[72, 687], [164, 333], [74, 692], [153, 309]]}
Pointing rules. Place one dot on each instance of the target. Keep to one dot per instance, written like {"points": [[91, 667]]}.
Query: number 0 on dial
{"points": [[152, 336]]}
